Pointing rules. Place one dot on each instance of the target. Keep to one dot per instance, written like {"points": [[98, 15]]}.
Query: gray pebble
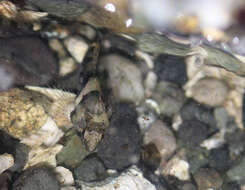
{"points": [[40, 178]]}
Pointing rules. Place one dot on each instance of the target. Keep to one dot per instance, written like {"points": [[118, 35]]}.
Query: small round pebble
{"points": [[90, 169], [162, 137], [192, 132], [210, 91], [124, 78], [37, 178]]}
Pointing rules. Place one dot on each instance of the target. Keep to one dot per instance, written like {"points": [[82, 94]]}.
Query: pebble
{"points": [[197, 158], [73, 152], [235, 141], [6, 79], [77, 47], [192, 132], [67, 66], [124, 78], [208, 178], [87, 31], [169, 97], [21, 153], [36, 68], [210, 91], [178, 168], [171, 68], [131, 179], [162, 137], [220, 159], [36, 178], [192, 110], [58, 47], [236, 171], [6, 161], [42, 154], [90, 169], [64, 176], [120, 146], [39, 117]]}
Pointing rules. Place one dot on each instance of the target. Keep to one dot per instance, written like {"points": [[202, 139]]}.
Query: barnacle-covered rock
{"points": [[33, 117]]}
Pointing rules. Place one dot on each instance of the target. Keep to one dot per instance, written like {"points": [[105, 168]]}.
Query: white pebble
{"points": [[124, 78], [6, 161], [64, 176], [77, 47]]}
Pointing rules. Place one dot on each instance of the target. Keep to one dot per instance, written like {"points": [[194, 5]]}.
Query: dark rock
{"points": [[235, 140], [37, 178], [121, 144], [192, 132], [194, 111], [20, 157], [13, 147], [219, 158], [28, 60], [90, 169], [171, 68]]}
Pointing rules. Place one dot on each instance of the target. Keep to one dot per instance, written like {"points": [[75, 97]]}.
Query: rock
{"points": [[87, 31], [120, 146], [150, 83], [21, 153], [6, 79], [171, 68], [73, 152], [235, 141], [235, 173], [178, 168], [131, 179], [57, 46], [194, 111], [67, 66], [146, 116], [220, 159], [36, 68], [41, 154], [197, 158], [6, 161], [192, 132], [208, 178], [64, 176], [77, 47], [37, 178], [162, 137], [124, 78], [210, 91], [33, 117], [90, 169], [169, 97]]}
